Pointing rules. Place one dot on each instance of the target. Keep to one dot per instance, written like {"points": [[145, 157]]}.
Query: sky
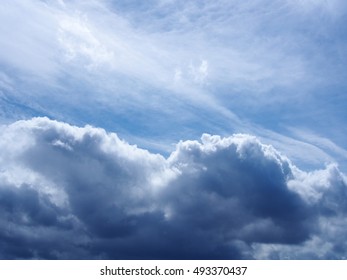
{"points": [[168, 129]]}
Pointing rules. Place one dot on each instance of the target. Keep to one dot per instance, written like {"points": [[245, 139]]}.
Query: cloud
{"points": [[239, 63], [72, 192], [334, 8], [30, 43], [149, 42], [323, 143], [78, 41]]}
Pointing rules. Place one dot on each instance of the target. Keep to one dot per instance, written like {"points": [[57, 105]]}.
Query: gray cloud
{"points": [[74, 193]]}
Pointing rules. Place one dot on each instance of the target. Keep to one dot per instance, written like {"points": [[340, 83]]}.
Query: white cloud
{"points": [[323, 143], [6, 82], [30, 42], [97, 34], [208, 56], [333, 8], [199, 73], [78, 40], [104, 198]]}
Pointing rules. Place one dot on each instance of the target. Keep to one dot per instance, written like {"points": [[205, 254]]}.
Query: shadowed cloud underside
{"points": [[70, 192]]}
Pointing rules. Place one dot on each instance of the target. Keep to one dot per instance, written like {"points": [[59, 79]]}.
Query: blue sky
{"points": [[162, 71]]}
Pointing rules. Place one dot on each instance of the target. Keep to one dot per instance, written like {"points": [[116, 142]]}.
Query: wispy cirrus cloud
{"points": [[235, 63]]}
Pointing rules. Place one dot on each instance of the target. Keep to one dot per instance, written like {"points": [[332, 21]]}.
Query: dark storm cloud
{"points": [[238, 195], [30, 223], [69, 192]]}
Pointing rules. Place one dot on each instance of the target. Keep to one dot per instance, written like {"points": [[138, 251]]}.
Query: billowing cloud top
{"points": [[68, 192]]}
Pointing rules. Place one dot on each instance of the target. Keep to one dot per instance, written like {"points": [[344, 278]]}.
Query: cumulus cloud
{"points": [[71, 192]]}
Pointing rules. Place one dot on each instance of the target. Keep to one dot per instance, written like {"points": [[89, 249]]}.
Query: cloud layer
{"points": [[218, 67], [68, 192]]}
